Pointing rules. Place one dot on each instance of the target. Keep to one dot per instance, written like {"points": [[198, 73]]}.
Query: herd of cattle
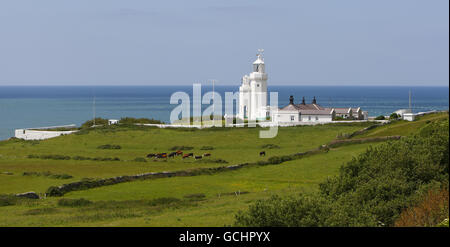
{"points": [[184, 156], [177, 153]]}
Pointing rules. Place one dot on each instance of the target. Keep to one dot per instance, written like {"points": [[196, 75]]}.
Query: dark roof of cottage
{"points": [[307, 109], [294, 107], [316, 112], [342, 110]]}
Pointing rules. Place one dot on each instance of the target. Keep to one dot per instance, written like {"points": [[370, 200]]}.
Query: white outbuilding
{"points": [[409, 116], [112, 121]]}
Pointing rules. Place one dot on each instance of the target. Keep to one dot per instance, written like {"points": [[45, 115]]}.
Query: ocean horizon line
{"points": [[219, 85]]}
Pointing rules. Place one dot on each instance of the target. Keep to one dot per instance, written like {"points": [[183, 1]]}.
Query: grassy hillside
{"points": [[130, 204], [234, 145], [403, 127], [204, 200]]}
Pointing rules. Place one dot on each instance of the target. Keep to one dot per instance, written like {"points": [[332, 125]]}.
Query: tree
{"points": [[98, 121], [394, 116]]}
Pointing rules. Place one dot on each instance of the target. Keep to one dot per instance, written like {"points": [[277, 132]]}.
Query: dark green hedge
{"points": [[370, 190]]}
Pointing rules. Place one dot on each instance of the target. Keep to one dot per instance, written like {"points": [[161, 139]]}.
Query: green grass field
{"points": [[204, 200], [402, 127], [235, 145]]}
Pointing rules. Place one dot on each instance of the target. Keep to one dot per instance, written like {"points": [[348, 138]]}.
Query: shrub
{"points": [[66, 202], [263, 163], [61, 176], [54, 157], [286, 158], [381, 117], [131, 120], [105, 159], [90, 123], [109, 146], [275, 160], [373, 189], [305, 210], [280, 159], [394, 116], [431, 211], [47, 174], [54, 191]]}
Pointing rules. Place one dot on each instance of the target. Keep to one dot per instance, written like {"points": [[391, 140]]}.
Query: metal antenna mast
{"points": [[214, 102], [410, 109]]}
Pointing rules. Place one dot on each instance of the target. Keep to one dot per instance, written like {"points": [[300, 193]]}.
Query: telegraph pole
{"points": [[214, 102]]}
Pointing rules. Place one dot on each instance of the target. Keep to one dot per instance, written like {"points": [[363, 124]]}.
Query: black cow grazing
{"points": [[191, 154], [263, 153], [198, 157], [206, 155], [151, 155], [172, 155]]}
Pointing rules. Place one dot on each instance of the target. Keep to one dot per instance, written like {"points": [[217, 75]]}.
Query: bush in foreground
{"points": [[431, 211], [371, 190]]}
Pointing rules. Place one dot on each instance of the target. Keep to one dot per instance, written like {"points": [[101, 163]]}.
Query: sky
{"points": [[306, 42]]}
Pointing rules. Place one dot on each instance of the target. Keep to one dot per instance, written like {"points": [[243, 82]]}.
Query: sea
{"points": [[40, 106]]}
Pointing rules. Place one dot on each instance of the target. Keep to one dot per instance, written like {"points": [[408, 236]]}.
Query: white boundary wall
{"points": [[41, 133], [263, 124]]}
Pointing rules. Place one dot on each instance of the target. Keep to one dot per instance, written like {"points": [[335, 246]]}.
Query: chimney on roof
{"points": [[291, 100], [303, 101], [314, 100]]}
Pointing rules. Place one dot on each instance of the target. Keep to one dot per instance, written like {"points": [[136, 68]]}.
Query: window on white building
{"points": [[299, 117], [309, 118], [317, 118], [292, 118]]}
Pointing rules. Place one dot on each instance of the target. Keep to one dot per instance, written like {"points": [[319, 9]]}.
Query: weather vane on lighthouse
{"points": [[260, 52]]}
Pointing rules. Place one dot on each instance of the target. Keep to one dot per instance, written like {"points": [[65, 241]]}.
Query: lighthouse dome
{"points": [[259, 60]]}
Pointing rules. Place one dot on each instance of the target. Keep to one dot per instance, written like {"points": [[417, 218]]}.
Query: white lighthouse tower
{"points": [[253, 92]]}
